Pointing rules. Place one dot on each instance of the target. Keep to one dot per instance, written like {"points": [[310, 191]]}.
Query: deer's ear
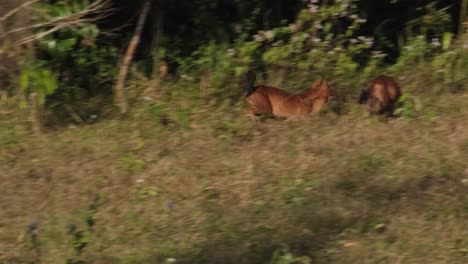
{"points": [[317, 83]]}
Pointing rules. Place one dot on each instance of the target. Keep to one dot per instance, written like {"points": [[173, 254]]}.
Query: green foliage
{"points": [[434, 21], [81, 238], [326, 41], [433, 44], [312, 43], [38, 80], [8, 139], [147, 192], [72, 55], [132, 164], [410, 106], [449, 67]]}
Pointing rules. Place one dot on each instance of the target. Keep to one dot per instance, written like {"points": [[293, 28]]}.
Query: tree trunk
{"points": [[156, 45], [462, 22], [35, 113], [120, 97]]}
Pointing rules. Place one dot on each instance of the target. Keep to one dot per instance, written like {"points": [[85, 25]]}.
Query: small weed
{"points": [[370, 162], [7, 137], [410, 106], [297, 191], [85, 135], [283, 256], [81, 238], [132, 164], [147, 192]]}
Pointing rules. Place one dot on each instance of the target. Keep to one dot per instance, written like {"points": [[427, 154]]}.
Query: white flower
{"points": [[305, 35], [435, 43], [378, 54], [231, 52], [344, 5], [269, 34], [292, 27], [367, 41], [362, 20], [258, 38], [277, 43], [318, 25], [140, 180], [313, 8], [171, 260], [316, 40]]}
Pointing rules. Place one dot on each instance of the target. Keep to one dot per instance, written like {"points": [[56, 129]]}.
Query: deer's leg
{"points": [[251, 115]]}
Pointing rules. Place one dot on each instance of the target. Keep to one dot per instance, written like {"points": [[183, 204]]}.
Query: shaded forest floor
{"points": [[187, 178]]}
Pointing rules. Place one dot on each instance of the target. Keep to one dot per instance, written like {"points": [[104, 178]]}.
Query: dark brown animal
{"points": [[267, 100], [381, 95]]}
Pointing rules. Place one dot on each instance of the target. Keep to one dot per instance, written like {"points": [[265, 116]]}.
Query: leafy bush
{"points": [[70, 56], [39, 80], [410, 106]]}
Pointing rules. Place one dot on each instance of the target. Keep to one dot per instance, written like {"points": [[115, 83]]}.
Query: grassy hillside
{"points": [[191, 179]]}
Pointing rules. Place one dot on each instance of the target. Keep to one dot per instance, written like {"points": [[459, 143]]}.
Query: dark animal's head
{"points": [[247, 83], [374, 106], [364, 96]]}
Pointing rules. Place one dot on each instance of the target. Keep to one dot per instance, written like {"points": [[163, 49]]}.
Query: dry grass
{"points": [[208, 187]]}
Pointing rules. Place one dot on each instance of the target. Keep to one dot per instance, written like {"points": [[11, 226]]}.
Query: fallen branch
{"points": [[73, 114]]}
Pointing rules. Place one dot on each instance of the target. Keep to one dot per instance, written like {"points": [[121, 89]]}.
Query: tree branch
{"points": [[120, 98], [14, 10]]}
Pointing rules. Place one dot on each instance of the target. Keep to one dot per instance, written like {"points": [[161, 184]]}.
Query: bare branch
{"points": [[101, 9], [13, 11]]}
